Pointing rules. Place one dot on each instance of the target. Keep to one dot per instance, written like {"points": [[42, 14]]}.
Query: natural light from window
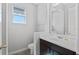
{"points": [[19, 16]]}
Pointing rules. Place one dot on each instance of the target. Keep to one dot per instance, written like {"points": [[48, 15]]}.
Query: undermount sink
{"points": [[65, 41], [62, 40]]}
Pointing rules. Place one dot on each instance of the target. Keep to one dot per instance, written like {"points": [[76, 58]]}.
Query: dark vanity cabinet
{"points": [[47, 48]]}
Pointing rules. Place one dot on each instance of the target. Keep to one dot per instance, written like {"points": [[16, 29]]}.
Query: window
{"points": [[19, 16]]}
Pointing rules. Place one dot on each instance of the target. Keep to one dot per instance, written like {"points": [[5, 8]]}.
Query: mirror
{"points": [[62, 18], [57, 19], [72, 20]]}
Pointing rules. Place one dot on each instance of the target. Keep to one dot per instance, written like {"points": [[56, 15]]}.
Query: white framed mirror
{"points": [[57, 19], [72, 19]]}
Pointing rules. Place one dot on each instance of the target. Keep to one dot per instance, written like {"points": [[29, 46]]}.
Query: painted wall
{"points": [[0, 29], [4, 41], [0, 23], [42, 17], [20, 35], [78, 27]]}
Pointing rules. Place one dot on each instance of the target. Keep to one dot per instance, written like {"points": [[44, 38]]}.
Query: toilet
{"points": [[31, 47]]}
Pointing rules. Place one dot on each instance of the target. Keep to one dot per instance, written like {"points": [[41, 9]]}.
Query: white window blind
{"points": [[19, 15]]}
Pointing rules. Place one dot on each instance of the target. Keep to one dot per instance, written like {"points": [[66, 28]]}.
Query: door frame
{"points": [[5, 27]]}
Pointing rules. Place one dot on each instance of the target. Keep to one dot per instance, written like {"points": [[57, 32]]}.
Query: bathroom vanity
{"points": [[62, 29], [48, 48], [62, 44]]}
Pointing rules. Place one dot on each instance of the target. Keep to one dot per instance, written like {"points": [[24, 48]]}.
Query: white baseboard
{"points": [[17, 51]]}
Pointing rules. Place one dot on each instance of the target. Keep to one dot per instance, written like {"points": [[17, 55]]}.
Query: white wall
{"points": [[0, 22], [4, 41], [0, 29], [20, 35], [78, 27], [42, 17]]}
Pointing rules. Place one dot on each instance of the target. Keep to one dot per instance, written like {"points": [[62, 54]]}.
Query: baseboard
{"points": [[17, 51]]}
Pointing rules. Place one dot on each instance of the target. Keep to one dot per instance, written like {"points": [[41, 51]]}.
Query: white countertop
{"points": [[68, 42]]}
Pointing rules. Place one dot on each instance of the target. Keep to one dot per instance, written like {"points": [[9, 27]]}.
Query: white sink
{"points": [[65, 41], [69, 42]]}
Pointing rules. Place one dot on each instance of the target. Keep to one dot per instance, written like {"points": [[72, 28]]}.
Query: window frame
{"points": [[13, 14]]}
